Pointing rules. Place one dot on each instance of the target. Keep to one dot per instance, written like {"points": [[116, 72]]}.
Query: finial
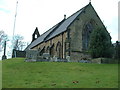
{"points": [[89, 1], [36, 28]]}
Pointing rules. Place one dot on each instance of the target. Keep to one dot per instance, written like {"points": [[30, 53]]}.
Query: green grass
{"points": [[19, 74]]}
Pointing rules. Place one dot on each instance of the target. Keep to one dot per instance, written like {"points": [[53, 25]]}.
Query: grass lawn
{"points": [[19, 74]]}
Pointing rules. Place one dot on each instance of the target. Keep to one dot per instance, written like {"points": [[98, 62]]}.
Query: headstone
{"points": [[68, 58], [4, 56], [46, 55], [32, 55], [55, 58]]}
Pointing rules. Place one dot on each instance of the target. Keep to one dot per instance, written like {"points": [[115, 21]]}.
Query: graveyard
{"points": [[20, 74]]}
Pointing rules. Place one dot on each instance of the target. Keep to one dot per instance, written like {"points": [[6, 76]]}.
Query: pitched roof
{"points": [[65, 24], [56, 30]]}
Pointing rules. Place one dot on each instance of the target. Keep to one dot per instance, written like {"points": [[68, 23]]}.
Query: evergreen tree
{"points": [[100, 43], [117, 50]]}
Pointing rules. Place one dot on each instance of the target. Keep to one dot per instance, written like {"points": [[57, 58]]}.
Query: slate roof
{"points": [[57, 29]]}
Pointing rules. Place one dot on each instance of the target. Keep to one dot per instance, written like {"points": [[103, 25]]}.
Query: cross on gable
{"points": [[90, 1]]}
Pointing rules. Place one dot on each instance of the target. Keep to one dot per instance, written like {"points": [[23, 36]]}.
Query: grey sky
{"points": [[46, 13]]}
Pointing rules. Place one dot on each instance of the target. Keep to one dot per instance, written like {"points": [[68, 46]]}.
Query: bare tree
{"points": [[3, 38], [19, 43]]}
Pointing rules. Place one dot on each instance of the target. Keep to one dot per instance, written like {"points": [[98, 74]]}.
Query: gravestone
{"points": [[32, 55], [4, 56], [68, 58], [55, 58], [46, 55]]}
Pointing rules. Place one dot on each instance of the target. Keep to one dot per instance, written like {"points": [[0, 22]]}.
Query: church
{"points": [[70, 37]]}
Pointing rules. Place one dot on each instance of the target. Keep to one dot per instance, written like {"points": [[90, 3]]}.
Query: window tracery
{"points": [[86, 35]]}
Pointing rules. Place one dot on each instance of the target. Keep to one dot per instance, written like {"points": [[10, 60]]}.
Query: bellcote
{"points": [[35, 35]]}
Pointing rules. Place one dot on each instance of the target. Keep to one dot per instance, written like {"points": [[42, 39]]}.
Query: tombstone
{"points": [[46, 55], [32, 55], [4, 56], [55, 58], [68, 58]]}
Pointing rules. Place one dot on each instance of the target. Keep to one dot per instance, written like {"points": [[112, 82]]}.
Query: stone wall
{"points": [[76, 32], [54, 41], [32, 54], [18, 53], [79, 56]]}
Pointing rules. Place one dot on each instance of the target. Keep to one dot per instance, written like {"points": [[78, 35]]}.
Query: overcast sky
{"points": [[46, 13]]}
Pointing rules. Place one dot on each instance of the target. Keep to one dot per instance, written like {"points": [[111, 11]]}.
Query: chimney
{"points": [[64, 16]]}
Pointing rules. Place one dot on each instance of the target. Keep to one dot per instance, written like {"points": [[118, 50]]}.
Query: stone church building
{"points": [[70, 37]]}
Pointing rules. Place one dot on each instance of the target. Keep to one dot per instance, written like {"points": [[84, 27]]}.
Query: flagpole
{"points": [[14, 26]]}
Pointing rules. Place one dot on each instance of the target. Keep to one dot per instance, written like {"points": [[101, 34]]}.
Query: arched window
{"points": [[59, 50], [52, 50], [48, 49], [86, 35], [42, 51], [36, 36]]}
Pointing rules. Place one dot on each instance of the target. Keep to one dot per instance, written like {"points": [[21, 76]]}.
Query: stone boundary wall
{"points": [[18, 53]]}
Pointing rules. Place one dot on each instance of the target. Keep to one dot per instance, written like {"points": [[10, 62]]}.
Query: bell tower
{"points": [[35, 35]]}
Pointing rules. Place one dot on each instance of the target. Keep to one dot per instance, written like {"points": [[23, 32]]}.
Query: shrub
{"points": [[100, 43]]}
